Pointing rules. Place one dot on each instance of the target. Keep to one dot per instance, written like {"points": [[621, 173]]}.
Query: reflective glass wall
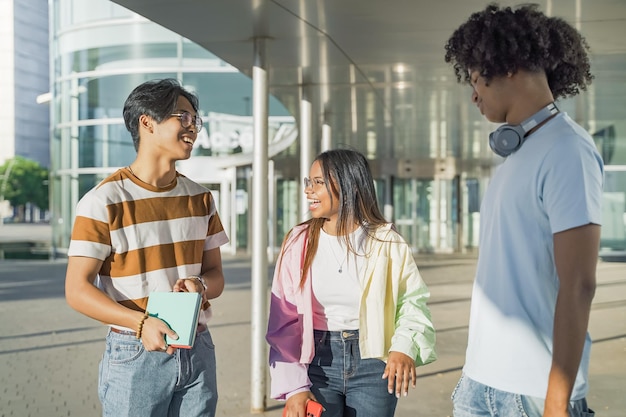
{"points": [[430, 179], [100, 52]]}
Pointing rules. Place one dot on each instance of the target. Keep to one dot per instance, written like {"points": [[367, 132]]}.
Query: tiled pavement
{"points": [[49, 354]]}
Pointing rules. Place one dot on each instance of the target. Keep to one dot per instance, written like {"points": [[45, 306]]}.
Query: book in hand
{"points": [[313, 409], [180, 311]]}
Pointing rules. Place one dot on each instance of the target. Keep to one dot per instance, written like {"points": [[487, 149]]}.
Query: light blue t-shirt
{"points": [[551, 184]]}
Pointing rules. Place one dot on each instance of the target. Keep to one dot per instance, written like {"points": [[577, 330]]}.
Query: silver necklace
{"points": [[340, 270]]}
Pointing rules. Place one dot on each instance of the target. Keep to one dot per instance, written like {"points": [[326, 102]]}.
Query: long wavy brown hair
{"points": [[348, 178]]}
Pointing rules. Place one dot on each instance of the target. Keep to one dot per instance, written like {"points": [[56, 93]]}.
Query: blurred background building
{"points": [[426, 143], [100, 52], [24, 75]]}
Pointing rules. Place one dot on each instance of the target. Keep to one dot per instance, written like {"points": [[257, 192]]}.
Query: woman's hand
{"points": [[400, 370], [296, 404]]}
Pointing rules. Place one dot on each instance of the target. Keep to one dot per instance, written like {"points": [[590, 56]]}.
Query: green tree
{"points": [[27, 182]]}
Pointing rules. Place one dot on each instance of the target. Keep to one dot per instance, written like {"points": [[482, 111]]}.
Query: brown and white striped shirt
{"points": [[147, 237]]}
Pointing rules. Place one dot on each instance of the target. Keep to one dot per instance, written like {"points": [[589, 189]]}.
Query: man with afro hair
{"points": [[528, 346]]}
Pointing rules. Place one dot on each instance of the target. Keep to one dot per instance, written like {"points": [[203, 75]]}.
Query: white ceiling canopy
{"points": [[375, 71]]}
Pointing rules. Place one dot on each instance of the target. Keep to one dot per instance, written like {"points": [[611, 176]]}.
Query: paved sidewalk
{"points": [[49, 354]]}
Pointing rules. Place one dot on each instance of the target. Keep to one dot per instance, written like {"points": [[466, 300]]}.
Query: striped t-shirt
{"points": [[147, 237]]}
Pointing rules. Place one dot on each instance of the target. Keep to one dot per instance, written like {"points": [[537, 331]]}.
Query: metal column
{"points": [[326, 137], [306, 148], [260, 104]]}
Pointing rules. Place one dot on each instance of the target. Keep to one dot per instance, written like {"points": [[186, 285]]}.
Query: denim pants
{"points": [[345, 384], [135, 382], [473, 399]]}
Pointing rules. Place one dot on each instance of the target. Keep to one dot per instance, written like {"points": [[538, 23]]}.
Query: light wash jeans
{"points": [[345, 384], [135, 382], [473, 399]]}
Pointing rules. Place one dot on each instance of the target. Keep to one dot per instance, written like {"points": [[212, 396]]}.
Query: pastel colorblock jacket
{"points": [[393, 315]]}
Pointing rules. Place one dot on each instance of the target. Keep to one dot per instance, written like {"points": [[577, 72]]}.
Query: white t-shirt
{"points": [[336, 295], [551, 184]]}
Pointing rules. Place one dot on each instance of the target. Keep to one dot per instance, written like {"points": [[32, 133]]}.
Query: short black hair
{"points": [[498, 41], [155, 98]]}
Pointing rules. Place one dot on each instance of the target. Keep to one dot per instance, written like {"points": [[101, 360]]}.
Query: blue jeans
{"points": [[135, 382], [345, 384], [473, 399]]}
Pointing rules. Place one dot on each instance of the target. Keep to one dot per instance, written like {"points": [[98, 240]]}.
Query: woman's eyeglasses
{"points": [[313, 182], [186, 120]]}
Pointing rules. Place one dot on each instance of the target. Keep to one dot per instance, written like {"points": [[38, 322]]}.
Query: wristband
{"points": [[140, 324], [199, 278]]}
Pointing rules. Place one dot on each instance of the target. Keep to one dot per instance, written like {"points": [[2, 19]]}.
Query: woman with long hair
{"points": [[348, 317]]}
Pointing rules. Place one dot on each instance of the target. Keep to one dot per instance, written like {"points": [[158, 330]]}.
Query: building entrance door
{"points": [[426, 213]]}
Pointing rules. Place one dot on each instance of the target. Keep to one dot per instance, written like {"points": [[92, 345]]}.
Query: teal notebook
{"points": [[180, 311]]}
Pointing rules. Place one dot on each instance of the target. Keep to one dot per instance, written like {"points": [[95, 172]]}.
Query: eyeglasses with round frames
{"points": [[313, 182], [186, 120]]}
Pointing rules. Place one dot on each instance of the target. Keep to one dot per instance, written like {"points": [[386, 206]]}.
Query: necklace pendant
{"points": [[340, 269]]}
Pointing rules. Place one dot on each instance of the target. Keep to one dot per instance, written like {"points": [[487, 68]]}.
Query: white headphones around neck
{"points": [[509, 138]]}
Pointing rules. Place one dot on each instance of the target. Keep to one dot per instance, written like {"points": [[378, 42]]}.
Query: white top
{"points": [[336, 295], [551, 184]]}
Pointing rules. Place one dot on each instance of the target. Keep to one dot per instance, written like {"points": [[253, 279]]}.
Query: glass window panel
{"points": [[105, 146], [120, 146], [90, 11], [613, 232], [287, 199]]}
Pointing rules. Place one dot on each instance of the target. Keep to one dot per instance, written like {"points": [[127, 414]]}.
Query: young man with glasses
{"points": [[143, 229]]}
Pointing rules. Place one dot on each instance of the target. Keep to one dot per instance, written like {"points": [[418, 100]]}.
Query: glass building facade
{"points": [[430, 188], [100, 52]]}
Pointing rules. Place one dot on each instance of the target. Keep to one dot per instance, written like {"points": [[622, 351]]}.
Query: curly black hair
{"points": [[498, 41]]}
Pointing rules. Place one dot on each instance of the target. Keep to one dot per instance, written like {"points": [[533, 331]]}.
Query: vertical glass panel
{"points": [[88, 154], [55, 150], [86, 182], [89, 11], [105, 146], [56, 220], [107, 94], [411, 200], [444, 214], [287, 207], [118, 144], [242, 212], [63, 14], [613, 234], [424, 215], [379, 185], [470, 213]]}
